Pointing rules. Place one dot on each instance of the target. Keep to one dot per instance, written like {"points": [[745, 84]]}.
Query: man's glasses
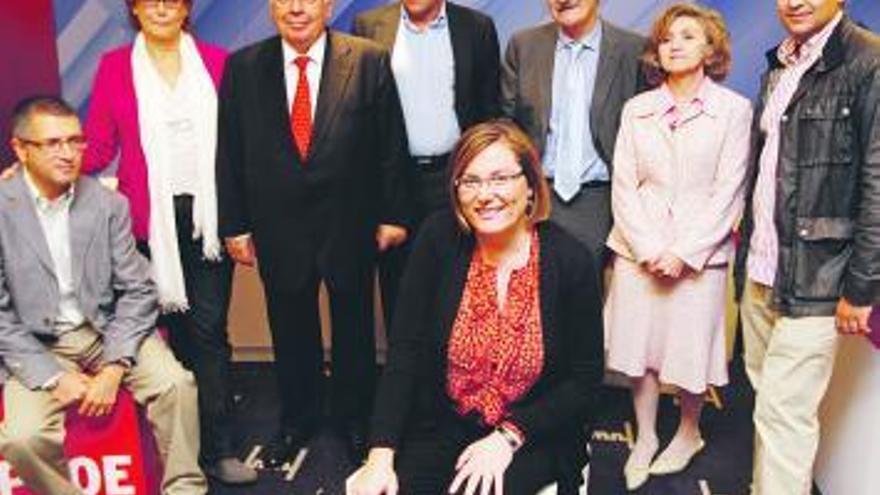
{"points": [[56, 146], [288, 3], [154, 4]]}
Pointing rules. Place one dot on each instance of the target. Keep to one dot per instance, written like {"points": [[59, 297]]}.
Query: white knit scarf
{"points": [[148, 85]]}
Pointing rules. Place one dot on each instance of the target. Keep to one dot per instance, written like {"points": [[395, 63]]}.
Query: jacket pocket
{"points": [[825, 130], [822, 249]]}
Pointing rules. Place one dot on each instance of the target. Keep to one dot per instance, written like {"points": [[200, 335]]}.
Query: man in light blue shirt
{"points": [[445, 60], [565, 83]]}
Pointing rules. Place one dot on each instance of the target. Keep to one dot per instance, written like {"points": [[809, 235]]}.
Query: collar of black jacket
{"points": [[832, 54]]}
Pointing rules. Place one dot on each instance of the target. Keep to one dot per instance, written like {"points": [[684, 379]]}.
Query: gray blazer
{"points": [[527, 82], [113, 283]]}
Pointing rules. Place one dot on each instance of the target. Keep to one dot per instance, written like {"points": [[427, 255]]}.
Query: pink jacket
{"points": [[680, 190], [112, 127]]}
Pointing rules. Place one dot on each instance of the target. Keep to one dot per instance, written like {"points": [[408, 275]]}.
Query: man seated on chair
{"points": [[78, 311]]}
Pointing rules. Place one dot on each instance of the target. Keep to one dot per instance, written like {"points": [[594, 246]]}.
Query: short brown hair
{"points": [[26, 108], [136, 24], [716, 65], [479, 137]]}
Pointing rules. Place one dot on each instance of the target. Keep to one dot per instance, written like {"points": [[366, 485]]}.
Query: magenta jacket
{"points": [[112, 126]]}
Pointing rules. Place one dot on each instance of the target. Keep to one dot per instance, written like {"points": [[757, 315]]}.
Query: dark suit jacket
{"points": [[113, 284], [413, 385], [474, 48], [527, 82], [323, 212]]}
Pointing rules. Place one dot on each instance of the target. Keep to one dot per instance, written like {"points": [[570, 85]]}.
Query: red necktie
{"points": [[301, 113]]}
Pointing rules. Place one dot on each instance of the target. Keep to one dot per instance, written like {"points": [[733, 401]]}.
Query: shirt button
{"points": [[845, 111], [784, 118]]}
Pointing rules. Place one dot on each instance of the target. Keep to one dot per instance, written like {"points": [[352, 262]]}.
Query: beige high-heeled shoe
{"points": [[670, 464], [635, 476]]}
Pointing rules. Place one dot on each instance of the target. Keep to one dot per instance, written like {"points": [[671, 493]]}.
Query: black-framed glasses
{"points": [[154, 4], [56, 145], [471, 184]]}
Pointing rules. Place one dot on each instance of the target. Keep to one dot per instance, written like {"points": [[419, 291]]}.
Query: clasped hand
{"points": [[96, 394], [666, 265]]}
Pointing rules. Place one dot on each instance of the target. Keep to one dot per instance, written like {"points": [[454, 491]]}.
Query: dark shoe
{"points": [[283, 448], [356, 443], [231, 471]]}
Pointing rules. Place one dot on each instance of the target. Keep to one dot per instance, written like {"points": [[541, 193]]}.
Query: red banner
{"points": [[107, 456], [28, 58]]}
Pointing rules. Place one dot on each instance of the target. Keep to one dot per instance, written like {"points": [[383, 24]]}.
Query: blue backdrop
{"points": [[86, 28]]}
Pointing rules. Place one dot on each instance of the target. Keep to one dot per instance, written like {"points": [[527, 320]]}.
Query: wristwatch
{"points": [[512, 439]]}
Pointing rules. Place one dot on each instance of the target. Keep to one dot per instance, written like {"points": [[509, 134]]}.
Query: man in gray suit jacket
{"points": [[565, 83], [77, 311]]}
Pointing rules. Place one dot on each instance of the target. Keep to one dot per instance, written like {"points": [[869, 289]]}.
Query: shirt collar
{"points": [[43, 203], [666, 102], [589, 40], [438, 23], [315, 52], [791, 53]]}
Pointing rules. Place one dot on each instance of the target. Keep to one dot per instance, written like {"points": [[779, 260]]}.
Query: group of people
{"points": [[536, 220]]}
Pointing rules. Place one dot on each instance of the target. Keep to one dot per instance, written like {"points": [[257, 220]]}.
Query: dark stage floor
{"points": [[723, 468]]}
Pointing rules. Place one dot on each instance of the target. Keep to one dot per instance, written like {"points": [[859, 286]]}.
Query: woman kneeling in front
{"points": [[496, 353]]}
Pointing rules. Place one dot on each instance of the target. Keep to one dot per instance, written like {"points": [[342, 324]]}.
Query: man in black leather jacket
{"points": [[809, 267]]}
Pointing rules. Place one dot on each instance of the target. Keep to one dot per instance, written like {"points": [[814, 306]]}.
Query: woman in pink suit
{"points": [[677, 192], [154, 103]]}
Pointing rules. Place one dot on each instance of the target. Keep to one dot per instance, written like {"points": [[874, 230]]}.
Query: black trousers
{"points": [[199, 336], [425, 462], [431, 191], [299, 360]]}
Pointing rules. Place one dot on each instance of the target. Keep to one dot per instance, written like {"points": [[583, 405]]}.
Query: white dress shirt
{"points": [[54, 216], [313, 71]]}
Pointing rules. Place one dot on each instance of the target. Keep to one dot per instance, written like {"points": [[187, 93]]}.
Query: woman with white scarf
{"points": [[154, 103]]}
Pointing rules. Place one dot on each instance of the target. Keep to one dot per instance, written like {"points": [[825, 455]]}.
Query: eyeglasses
{"points": [[471, 184], [288, 3], [154, 4], [57, 145]]}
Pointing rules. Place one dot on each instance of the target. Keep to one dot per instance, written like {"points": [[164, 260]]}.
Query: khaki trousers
{"points": [[789, 362], [32, 433]]}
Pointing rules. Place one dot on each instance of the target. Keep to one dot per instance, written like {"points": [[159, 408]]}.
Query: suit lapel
{"points": [[461, 43], [82, 225], [22, 211], [542, 65], [606, 72], [274, 100], [334, 80], [386, 29]]}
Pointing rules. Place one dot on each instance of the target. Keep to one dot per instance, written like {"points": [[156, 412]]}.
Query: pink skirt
{"points": [[674, 329]]}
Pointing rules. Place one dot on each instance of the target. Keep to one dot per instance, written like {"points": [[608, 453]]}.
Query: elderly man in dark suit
{"points": [[445, 59], [311, 149], [77, 311], [565, 83]]}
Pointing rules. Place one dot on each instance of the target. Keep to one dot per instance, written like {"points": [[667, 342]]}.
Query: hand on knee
{"points": [[376, 477]]}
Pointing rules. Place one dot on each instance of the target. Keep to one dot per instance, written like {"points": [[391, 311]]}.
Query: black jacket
{"points": [[827, 211], [565, 397], [325, 211]]}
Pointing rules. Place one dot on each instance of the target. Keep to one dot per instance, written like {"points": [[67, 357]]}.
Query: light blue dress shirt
{"points": [[424, 70], [570, 157]]}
